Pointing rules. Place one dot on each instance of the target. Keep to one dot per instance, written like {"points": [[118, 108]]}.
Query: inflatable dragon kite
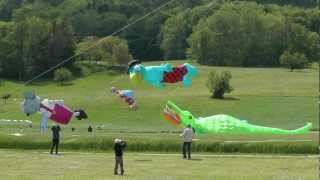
{"points": [[222, 123]]}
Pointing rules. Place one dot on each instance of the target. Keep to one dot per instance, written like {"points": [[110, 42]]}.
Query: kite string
{"points": [[97, 43], [81, 52]]}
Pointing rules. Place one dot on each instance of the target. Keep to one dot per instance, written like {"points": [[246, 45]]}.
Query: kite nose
{"points": [[171, 116], [136, 78]]}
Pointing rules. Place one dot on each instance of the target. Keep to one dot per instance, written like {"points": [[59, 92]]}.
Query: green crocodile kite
{"points": [[222, 123]]}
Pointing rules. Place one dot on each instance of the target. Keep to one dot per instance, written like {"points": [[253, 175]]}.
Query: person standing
{"points": [[89, 129], [187, 136], [55, 138], [119, 145]]}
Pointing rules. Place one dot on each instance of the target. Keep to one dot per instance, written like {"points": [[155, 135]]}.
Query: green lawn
{"points": [[264, 96], [102, 140], [142, 166]]}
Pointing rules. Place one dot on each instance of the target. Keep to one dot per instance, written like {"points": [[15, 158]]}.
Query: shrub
{"points": [[62, 75], [293, 60], [218, 84]]}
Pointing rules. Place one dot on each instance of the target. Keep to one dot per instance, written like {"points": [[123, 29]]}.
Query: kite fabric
{"points": [[127, 96], [157, 76], [49, 109], [222, 123]]}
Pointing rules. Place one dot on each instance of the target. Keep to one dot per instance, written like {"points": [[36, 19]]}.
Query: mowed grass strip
{"points": [[31, 165], [166, 142]]}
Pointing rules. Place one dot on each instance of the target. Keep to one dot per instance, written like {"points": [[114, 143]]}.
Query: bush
{"points": [[218, 84], [62, 75], [293, 60]]}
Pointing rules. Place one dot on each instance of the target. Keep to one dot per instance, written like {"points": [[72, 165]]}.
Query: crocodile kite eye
{"points": [[190, 117]]}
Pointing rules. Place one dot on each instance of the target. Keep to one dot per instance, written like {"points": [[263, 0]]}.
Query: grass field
{"points": [[272, 97], [32, 165], [263, 96], [166, 141]]}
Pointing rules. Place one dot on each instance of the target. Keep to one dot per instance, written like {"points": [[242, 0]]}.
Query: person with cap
{"points": [[55, 137], [187, 136], [119, 145]]}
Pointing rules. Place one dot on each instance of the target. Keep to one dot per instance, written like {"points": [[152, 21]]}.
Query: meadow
{"points": [[272, 97], [146, 166]]}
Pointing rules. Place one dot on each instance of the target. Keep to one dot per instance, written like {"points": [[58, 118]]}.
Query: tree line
{"points": [[37, 34]]}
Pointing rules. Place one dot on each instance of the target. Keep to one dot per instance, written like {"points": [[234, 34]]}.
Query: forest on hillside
{"points": [[38, 34]]}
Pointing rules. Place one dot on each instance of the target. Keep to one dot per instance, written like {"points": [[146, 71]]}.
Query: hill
{"points": [[264, 96]]}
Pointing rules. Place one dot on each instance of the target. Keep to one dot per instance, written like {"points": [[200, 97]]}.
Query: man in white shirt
{"points": [[187, 136]]}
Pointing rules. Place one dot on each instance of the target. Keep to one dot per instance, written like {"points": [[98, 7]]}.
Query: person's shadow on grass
{"points": [[143, 160], [195, 159]]}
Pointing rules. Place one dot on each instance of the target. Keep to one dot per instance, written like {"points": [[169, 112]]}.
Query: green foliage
{"points": [[34, 45], [243, 34], [301, 40], [39, 34], [61, 44], [31, 38], [62, 75], [7, 7], [110, 50], [218, 84], [175, 32], [293, 60], [246, 37], [299, 3]]}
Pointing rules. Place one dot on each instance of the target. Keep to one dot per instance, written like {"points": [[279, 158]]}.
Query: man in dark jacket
{"points": [[55, 137], [119, 145]]}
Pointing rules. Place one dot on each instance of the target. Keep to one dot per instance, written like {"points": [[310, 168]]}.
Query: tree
{"points": [[111, 50], [61, 43], [7, 7], [117, 49], [62, 75], [175, 32], [86, 23], [109, 22], [293, 60], [238, 34], [203, 46], [7, 65], [218, 84], [30, 46]]}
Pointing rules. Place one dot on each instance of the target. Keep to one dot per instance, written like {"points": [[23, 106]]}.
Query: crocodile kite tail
{"points": [[269, 130]]}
